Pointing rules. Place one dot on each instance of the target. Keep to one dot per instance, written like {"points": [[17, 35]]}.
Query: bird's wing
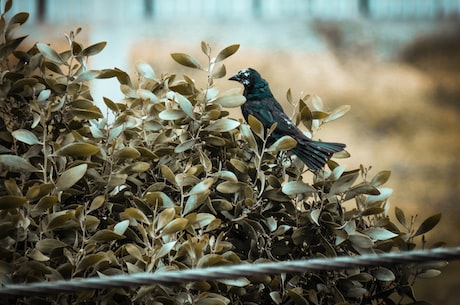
{"points": [[269, 111], [285, 125]]}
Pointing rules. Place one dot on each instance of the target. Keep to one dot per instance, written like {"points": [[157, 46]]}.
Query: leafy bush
{"points": [[175, 183]]}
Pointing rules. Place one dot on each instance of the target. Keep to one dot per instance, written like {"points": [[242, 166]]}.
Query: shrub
{"points": [[174, 183]]}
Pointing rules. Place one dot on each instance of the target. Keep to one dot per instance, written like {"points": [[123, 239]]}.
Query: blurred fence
{"points": [[81, 11]]}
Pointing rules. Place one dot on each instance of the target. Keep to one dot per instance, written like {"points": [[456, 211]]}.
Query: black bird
{"points": [[261, 103]]}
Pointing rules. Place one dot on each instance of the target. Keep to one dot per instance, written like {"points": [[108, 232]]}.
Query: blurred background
{"points": [[397, 63]]}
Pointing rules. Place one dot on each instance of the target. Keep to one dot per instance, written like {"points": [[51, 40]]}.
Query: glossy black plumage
{"points": [[261, 103]]}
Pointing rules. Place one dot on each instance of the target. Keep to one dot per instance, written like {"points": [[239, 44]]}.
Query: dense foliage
{"points": [[174, 183]]}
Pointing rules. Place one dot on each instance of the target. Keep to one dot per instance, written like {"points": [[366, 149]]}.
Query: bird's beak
{"points": [[235, 78]]}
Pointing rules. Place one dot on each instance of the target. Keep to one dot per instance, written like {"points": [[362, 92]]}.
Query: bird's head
{"points": [[248, 77]]}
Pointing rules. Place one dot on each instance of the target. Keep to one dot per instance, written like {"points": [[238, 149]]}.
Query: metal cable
{"points": [[230, 272]]}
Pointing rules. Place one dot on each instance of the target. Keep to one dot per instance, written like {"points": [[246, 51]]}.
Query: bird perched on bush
{"points": [[261, 103]]}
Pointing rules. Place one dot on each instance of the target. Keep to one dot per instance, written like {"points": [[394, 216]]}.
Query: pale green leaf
{"points": [[337, 113], [145, 70], [50, 53], [283, 143], [16, 164], [223, 125], [230, 101], [25, 136], [185, 105], [186, 60], [78, 149], [93, 49], [70, 177], [228, 51], [428, 224], [297, 187]]}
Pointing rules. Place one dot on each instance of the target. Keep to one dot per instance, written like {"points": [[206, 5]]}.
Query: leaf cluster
{"points": [[175, 183]]}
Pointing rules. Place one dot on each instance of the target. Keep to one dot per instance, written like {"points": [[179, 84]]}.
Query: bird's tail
{"points": [[315, 154]]}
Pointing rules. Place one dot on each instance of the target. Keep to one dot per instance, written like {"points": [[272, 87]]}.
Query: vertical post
{"points": [[149, 8], [257, 8], [41, 10], [363, 6]]}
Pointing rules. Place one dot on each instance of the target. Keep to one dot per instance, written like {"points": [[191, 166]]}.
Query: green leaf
{"points": [[76, 48], [185, 105], [168, 174], [110, 104], [146, 71], [342, 184], [133, 213], [165, 249], [186, 60], [429, 273], [122, 76], [289, 96], [126, 153], [219, 72], [239, 165], [92, 261], [50, 53], [134, 251], [172, 114], [22, 83], [240, 282], [297, 187], [256, 126], [201, 187], [428, 224], [223, 125], [10, 46], [361, 240], [16, 164], [205, 48], [135, 168], [93, 49], [48, 245], [230, 101], [20, 18], [38, 256], [377, 233], [194, 201], [380, 178], [165, 217], [174, 226], [186, 179], [362, 188], [53, 67], [283, 143], [8, 5], [97, 202], [228, 51], [248, 136], [211, 260], [400, 216], [11, 202], [314, 215], [87, 76], [25, 136], [337, 113], [319, 115], [296, 295], [43, 95], [383, 274], [70, 177], [228, 187], [385, 193], [106, 235], [78, 149]]}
